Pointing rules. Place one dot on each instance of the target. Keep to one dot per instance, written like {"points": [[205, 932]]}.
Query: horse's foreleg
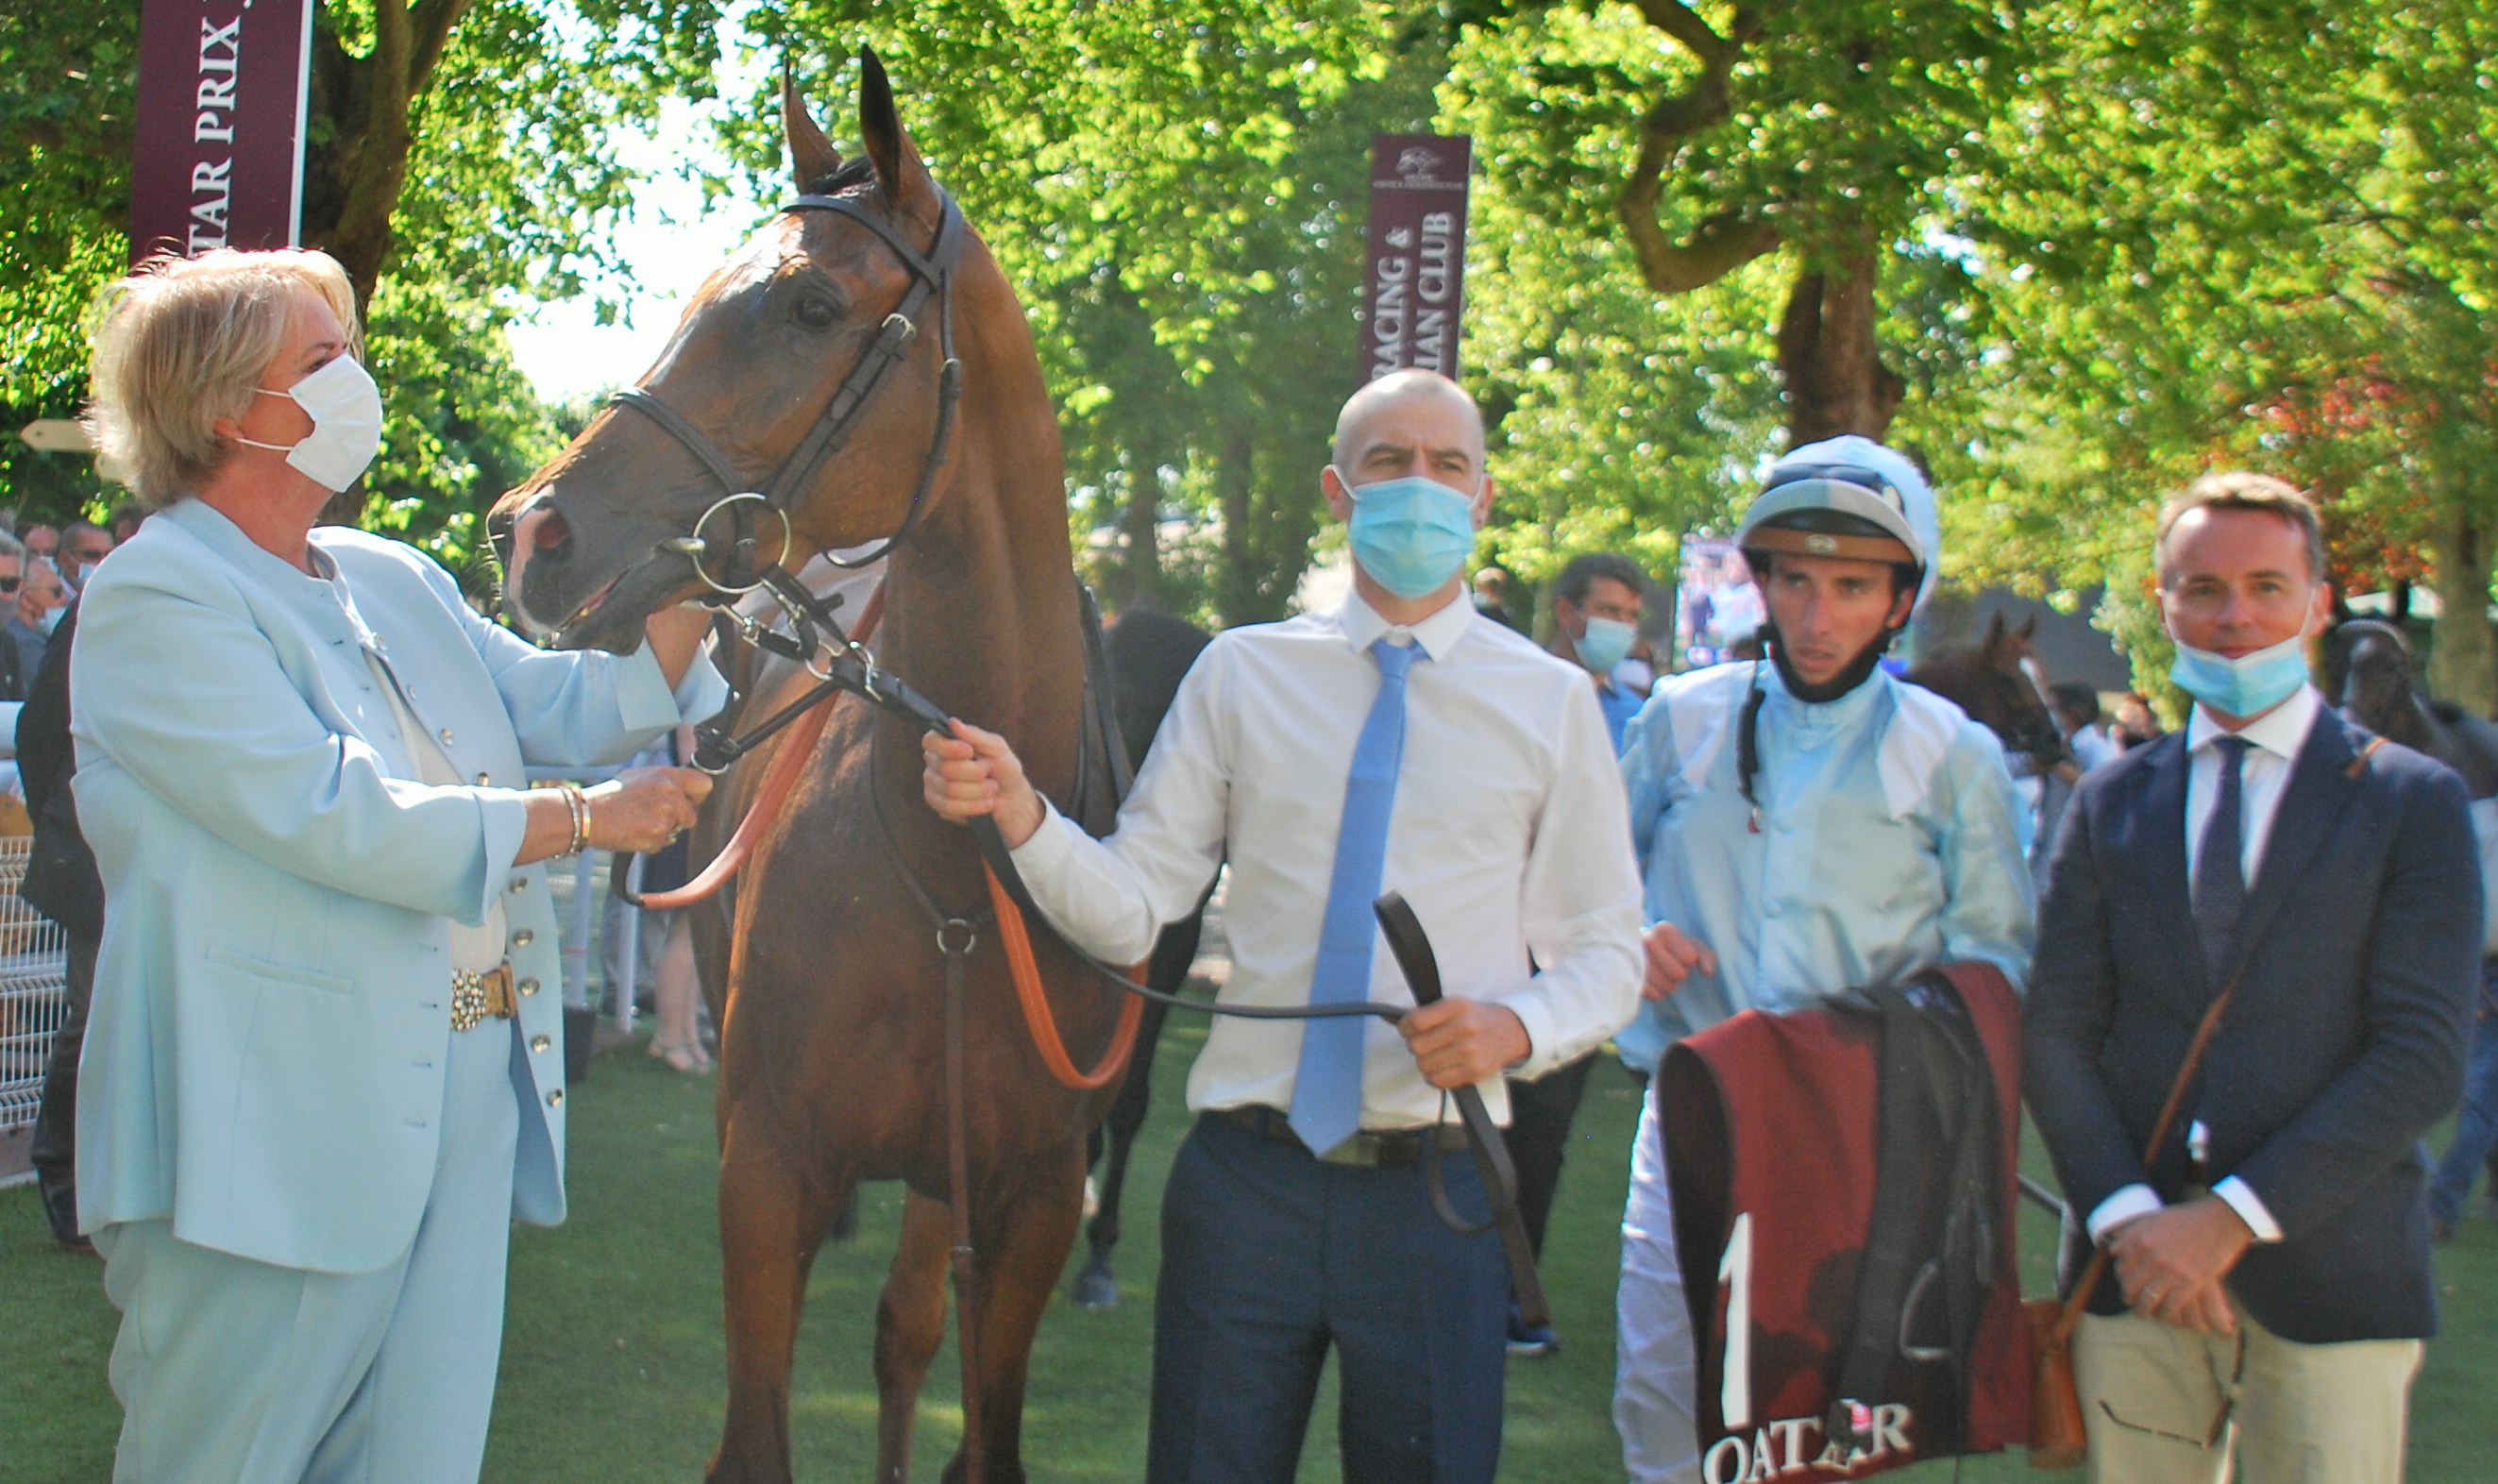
{"points": [[1021, 1235], [773, 1212], [910, 1325]]}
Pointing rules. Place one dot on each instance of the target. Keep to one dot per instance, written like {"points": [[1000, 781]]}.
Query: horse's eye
{"points": [[817, 312]]}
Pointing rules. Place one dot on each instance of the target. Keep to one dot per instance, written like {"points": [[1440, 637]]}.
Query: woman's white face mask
{"points": [[346, 411]]}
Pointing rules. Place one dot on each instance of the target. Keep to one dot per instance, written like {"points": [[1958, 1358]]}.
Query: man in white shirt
{"points": [[1399, 743], [2271, 1282]]}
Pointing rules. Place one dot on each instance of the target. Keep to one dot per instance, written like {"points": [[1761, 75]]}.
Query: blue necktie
{"points": [[1326, 1090], [2220, 886]]}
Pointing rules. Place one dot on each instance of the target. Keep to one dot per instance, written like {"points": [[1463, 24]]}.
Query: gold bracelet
{"points": [[578, 803]]}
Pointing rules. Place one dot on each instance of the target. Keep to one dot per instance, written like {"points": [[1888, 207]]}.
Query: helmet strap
{"points": [[1854, 674]]}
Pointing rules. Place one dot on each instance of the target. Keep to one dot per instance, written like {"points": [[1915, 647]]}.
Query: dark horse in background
{"points": [[830, 974], [1995, 681], [2368, 674], [1150, 652]]}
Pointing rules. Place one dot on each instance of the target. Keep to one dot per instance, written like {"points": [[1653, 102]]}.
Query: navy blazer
{"points": [[2359, 952]]}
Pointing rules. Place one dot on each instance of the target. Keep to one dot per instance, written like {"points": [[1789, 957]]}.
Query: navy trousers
{"points": [[1268, 1257]]}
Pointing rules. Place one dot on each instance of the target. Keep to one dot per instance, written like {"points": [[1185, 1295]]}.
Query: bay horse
{"points": [[2368, 674], [1996, 683], [833, 1030]]}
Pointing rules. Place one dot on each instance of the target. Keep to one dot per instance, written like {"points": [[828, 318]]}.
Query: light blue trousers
{"points": [[234, 1371]]}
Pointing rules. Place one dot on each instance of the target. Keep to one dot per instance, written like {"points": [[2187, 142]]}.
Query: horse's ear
{"points": [[899, 172], [813, 159], [1994, 633], [2029, 626]]}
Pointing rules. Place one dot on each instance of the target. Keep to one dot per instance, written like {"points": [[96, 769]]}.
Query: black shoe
{"points": [[1529, 1340], [60, 1210]]}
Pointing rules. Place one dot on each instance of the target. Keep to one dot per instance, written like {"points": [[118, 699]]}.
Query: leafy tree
{"points": [[1711, 137], [2248, 234], [459, 162]]}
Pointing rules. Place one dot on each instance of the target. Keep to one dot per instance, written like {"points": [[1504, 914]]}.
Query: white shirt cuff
{"points": [[2243, 1200], [1046, 849], [2128, 1202]]}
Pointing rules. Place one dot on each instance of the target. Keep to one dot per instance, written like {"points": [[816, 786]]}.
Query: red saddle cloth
{"points": [[1771, 1127]]}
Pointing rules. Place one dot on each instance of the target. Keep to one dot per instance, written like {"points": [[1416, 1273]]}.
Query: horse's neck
{"points": [[981, 615]]}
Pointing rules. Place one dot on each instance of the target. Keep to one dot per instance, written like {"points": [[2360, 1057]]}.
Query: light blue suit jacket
{"points": [[263, 1066]]}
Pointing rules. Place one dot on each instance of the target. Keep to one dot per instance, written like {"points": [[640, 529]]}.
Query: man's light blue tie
{"points": [[1326, 1090]]}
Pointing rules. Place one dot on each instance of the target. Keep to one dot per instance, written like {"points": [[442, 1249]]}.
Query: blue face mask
{"points": [[2249, 685], [1605, 643], [1411, 535]]}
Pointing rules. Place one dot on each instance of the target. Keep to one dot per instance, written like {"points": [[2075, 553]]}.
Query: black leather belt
{"points": [[1399, 1149]]}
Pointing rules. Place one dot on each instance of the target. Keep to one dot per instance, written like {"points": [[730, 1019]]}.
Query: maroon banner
{"points": [[219, 154], [1413, 278]]}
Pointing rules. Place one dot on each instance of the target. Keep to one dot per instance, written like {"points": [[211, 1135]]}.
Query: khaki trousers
{"points": [[2166, 1405]]}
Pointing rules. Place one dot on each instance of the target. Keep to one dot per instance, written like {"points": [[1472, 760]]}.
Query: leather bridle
{"points": [[814, 633]]}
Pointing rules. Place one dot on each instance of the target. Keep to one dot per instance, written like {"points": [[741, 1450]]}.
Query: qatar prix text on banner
{"points": [[218, 157], [1414, 276]]}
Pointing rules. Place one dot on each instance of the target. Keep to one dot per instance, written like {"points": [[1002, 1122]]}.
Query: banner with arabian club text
{"points": [[218, 153], [1414, 275]]}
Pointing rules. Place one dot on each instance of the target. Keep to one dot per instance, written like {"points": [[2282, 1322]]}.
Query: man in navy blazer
{"points": [[2271, 1282]]}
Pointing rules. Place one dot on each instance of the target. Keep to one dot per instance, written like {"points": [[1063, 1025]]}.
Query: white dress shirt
{"points": [[2263, 776], [1509, 836]]}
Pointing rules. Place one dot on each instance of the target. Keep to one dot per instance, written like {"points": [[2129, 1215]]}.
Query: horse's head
{"points": [[2369, 664], [806, 376], [1996, 682]]}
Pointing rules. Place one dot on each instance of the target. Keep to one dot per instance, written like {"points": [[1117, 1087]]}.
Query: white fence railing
{"points": [[33, 991]]}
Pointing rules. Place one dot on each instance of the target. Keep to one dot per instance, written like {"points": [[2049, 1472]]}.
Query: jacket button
{"points": [[483, 779], [446, 736], [528, 986], [524, 938], [554, 1099], [539, 1042], [519, 882]]}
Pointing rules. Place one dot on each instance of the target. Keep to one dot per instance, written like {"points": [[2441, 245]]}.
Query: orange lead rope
{"points": [[777, 783], [1035, 999]]}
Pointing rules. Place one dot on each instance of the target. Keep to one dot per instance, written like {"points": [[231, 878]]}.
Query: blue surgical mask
{"points": [[1411, 535], [51, 618], [1605, 643], [2249, 685]]}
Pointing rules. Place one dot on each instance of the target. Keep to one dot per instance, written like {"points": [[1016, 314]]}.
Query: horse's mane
{"points": [[856, 171]]}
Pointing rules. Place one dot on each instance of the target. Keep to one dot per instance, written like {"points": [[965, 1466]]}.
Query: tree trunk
{"points": [[1835, 381], [1139, 580], [1234, 482], [2463, 662], [356, 166]]}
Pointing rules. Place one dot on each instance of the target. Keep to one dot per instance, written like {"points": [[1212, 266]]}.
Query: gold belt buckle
{"points": [[476, 998], [1360, 1152]]}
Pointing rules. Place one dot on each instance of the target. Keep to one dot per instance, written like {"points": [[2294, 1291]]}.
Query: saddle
{"points": [[1842, 1180]]}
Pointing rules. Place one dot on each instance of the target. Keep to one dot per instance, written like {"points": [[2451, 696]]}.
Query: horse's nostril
{"points": [[550, 531]]}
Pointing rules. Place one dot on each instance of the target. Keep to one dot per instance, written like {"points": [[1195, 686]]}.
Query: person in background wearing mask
{"points": [[40, 541], [1596, 606], [1810, 825], [83, 544], [1477, 780], [2271, 1282], [40, 601], [14, 680], [1493, 589]]}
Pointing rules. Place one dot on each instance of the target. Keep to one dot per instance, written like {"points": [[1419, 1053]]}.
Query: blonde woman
{"points": [[323, 1070]]}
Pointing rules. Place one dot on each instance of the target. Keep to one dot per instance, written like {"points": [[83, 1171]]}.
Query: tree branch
{"points": [[1680, 21], [435, 21], [1725, 240]]}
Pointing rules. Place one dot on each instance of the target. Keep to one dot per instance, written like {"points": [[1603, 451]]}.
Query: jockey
{"points": [[1807, 824]]}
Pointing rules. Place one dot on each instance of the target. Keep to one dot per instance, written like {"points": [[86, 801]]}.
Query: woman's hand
{"points": [[973, 772], [640, 809], [644, 809]]}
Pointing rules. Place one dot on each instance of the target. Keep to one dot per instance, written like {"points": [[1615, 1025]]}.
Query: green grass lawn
{"points": [[612, 1362]]}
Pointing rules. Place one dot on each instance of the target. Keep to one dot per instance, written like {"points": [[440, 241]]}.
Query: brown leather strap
{"points": [[2097, 1269]]}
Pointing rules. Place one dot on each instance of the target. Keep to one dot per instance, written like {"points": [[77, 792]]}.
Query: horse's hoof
{"points": [[1095, 1287]]}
